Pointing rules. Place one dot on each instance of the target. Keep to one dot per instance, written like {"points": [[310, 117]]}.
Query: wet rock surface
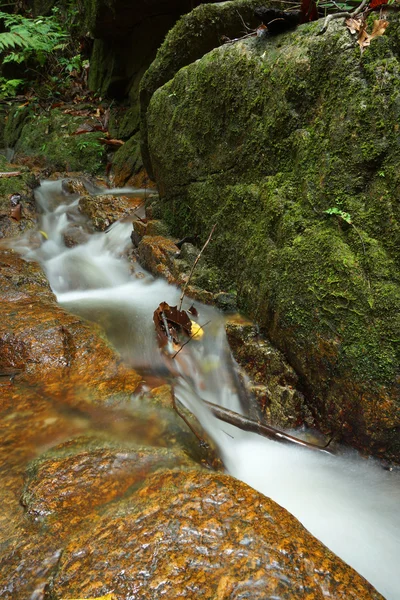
{"points": [[273, 382], [102, 492], [204, 534], [103, 210], [40, 339]]}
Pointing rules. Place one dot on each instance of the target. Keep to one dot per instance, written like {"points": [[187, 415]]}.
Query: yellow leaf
{"points": [[196, 331]]}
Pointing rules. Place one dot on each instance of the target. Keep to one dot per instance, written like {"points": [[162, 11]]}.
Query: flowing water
{"points": [[349, 503]]}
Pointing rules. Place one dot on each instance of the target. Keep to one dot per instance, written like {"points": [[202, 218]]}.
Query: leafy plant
{"points": [[339, 213], [31, 38], [9, 87], [47, 53]]}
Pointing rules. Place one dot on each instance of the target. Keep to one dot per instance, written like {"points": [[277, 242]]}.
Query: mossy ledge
{"points": [[263, 136]]}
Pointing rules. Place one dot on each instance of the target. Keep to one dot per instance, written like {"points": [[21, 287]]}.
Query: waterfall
{"points": [[351, 504]]}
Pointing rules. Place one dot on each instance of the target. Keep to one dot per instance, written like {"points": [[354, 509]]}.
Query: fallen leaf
{"points": [[111, 142], [16, 212], [193, 311], [376, 3], [379, 28], [170, 324], [364, 38], [353, 25], [197, 331]]}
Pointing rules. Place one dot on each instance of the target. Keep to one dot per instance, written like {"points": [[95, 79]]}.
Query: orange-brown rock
{"points": [[156, 254], [71, 481], [49, 345], [202, 535], [105, 209]]}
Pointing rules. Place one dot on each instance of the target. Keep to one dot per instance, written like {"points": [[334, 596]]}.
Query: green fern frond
{"points": [[10, 41]]}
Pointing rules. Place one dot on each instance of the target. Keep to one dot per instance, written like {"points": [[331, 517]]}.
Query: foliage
{"points": [[339, 213], [39, 49], [31, 38]]}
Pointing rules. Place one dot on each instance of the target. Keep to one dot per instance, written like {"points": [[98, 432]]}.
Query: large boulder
{"points": [[203, 534], [290, 145], [126, 38]]}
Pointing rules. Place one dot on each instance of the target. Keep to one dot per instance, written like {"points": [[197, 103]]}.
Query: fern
{"points": [[29, 37], [9, 40], [44, 48]]}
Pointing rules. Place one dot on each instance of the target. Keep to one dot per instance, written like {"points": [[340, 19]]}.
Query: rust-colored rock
{"points": [[156, 253], [49, 345], [70, 482], [203, 535], [106, 209]]}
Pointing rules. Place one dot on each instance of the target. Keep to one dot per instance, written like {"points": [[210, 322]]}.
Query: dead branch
{"points": [[11, 174], [194, 266], [246, 424], [342, 15], [175, 407]]}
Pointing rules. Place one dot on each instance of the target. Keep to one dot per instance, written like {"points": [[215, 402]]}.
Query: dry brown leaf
{"points": [[364, 40], [379, 28], [111, 142], [353, 25]]}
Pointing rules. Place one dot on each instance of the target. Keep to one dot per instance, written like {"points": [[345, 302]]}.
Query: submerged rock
{"points": [[205, 534], [234, 140]]}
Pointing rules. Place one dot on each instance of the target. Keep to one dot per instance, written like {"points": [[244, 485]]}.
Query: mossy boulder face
{"points": [[51, 139], [195, 34], [264, 136]]}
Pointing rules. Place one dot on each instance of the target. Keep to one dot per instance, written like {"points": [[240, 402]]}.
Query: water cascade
{"points": [[349, 503]]}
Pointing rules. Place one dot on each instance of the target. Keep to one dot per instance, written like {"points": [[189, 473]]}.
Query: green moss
{"points": [[51, 138], [195, 34], [262, 137]]}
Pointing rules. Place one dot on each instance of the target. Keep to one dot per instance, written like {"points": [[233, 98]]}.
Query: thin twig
{"points": [[240, 38], [194, 266], [244, 24], [175, 407], [246, 424], [191, 337], [341, 15]]}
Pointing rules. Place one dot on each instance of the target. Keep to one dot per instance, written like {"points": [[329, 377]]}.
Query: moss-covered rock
{"points": [[50, 139], [195, 34], [17, 205], [264, 136]]}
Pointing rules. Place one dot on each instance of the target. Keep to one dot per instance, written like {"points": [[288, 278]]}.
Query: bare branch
{"points": [[11, 174], [342, 15], [246, 424], [194, 266]]}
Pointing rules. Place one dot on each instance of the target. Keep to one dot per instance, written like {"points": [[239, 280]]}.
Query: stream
{"points": [[350, 503]]}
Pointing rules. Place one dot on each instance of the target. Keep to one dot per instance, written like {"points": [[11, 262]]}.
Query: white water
{"points": [[349, 503]]}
